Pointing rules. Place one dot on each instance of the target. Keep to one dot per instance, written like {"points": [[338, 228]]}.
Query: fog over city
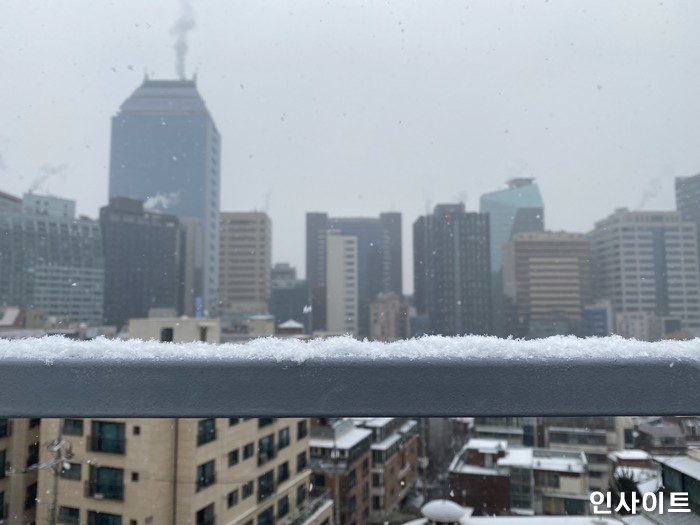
{"points": [[354, 108]]}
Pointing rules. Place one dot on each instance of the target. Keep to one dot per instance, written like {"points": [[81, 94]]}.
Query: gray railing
{"points": [[658, 381]]}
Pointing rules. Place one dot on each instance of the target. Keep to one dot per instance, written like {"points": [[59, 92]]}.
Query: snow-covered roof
{"points": [[388, 442], [445, 511], [544, 459], [345, 441], [9, 316], [683, 464], [486, 446], [459, 349], [517, 457], [291, 323], [630, 455], [464, 468], [373, 422]]}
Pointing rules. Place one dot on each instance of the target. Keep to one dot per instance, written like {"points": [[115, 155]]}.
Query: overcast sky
{"points": [[358, 107]]}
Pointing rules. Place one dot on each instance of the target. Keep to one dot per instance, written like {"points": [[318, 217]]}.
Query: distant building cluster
{"points": [[162, 247]]}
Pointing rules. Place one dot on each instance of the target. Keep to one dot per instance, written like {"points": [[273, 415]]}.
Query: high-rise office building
{"points": [[342, 298], [547, 275], [646, 263], [51, 260], [516, 209], [452, 270], [144, 261], [165, 150], [379, 261], [688, 200], [245, 255]]}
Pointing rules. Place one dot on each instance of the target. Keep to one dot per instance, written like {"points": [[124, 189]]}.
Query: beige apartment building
{"points": [[225, 471], [245, 260], [19, 449], [341, 283]]}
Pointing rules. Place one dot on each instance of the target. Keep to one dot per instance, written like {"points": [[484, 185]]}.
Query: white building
{"points": [[341, 279]]}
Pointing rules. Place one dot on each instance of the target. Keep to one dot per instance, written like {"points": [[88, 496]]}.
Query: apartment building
{"points": [[494, 478], [340, 460], [342, 297], [394, 460], [19, 453], [181, 471]]}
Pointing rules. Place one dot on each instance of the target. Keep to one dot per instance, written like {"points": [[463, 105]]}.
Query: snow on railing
{"points": [[55, 376]]}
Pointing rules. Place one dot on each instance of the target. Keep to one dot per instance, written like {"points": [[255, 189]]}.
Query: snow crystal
{"points": [[339, 349]]}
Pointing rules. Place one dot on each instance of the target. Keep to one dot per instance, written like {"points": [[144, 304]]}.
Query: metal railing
{"points": [[663, 382]]}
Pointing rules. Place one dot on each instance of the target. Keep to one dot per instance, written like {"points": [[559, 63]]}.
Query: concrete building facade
{"points": [[647, 262], [547, 276], [342, 276], [245, 260], [452, 279], [51, 260]]}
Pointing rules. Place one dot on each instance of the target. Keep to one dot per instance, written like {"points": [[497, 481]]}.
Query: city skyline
{"points": [[421, 117]]}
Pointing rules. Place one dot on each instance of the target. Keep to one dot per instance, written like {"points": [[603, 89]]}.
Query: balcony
{"points": [[266, 455], [104, 491], [426, 377], [108, 445], [317, 503]]}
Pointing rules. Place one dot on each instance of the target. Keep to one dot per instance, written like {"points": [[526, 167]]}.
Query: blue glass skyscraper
{"points": [[165, 150]]}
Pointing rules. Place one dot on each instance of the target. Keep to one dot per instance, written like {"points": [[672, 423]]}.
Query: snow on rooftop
{"points": [[487, 446], [557, 348], [630, 455], [683, 464], [345, 441], [384, 445]]}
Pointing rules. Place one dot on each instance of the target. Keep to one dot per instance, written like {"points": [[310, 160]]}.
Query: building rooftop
{"points": [[683, 464], [633, 454], [345, 441]]}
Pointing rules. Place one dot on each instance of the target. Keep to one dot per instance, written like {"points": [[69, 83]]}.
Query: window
{"points": [[265, 421], [32, 454], [206, 475], [134, 476], [206, 431], [301, 494], [233, 458], [233, 421], [352, 505], [136, 431], [283, 472], [302, 430], [266, 449], [30, 497], [283, 507], [365, 466], [283, 438], [106, 483], [74, 471], [73, 427], [248, 451], [4, 427], [247, 490], [232, 498], [103, 518], [3, 453], [166, 335], [205, 516], [108, 437], [365, 491], [301, 461], [68, 515], [352, 478], [266, 485], [267, 517]]}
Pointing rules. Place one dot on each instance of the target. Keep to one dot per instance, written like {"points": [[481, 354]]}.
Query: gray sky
{"points": [[357, 107]]}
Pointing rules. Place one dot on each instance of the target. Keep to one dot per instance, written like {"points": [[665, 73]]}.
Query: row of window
{"points": [[206, 430]]}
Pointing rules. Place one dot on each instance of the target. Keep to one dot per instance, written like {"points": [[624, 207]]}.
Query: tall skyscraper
{"points": [[144, 261], [50, 260], [517, 209], [341, 289], [379, 261], [245, 261], [547, 275], [688, 200], [452, 270], [165, 150], [646, 263]]}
